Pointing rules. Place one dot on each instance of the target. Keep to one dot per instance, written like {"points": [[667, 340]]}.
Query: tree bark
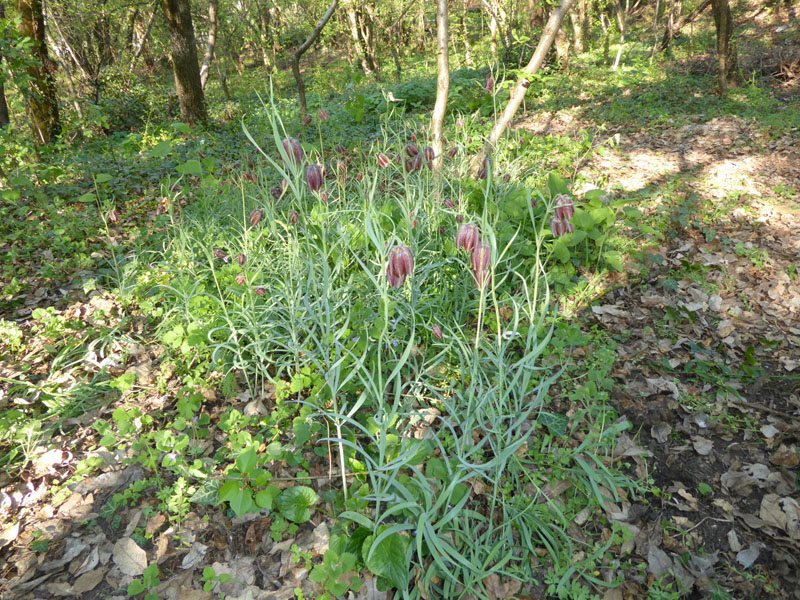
{"points": [[144, 44], [726, 51], [301, 86], [4, 117], [350, 11], [211, 42], [622, 22], [670, 32], [41, 97], [184, 61], [442, 83], [521, 88]]}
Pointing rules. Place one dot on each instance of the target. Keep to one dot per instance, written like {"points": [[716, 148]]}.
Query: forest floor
{"points": [[703, 331]]}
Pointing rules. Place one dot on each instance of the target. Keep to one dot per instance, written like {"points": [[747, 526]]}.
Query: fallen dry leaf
{"points": [[129, 557]]}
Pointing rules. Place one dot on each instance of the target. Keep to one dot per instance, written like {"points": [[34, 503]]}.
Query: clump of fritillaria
{"points": [[481, 260], [314, 177], [413, 164], [561, 223], [293, 150], [401, 265]]}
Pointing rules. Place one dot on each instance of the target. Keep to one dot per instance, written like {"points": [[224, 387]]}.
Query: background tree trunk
{"points": [[144, 39], [622, 23], [519, 91], [4, 118], [350, 11], [673, 28], [41, 97], [442, 83], [184, 61], [301, 86], [726, 52], [211, 42]]}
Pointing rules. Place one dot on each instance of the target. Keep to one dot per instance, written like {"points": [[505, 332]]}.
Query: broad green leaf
{"points": [[614, 260], [242, 502], [161, 149], [556, 185], [388, 559], [294, 503], [557, 424], [190, 167], [247, 460], [87, 198], [574, 238], [228, 490], [182, 127], [560, 251], [102, 177]]}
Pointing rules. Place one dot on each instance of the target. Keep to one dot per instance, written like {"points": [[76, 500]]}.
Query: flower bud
{"points": [[241, 259], [413, 137], [429, 153], [260, 291], [459, 122], [459, 218], [485, 168], [360, 176], [293, 150], [256, 216], [401, 265], [468, 237], [481, 261], [413, 164], [383, 161], [411, 150], [449, 203], [314, 177], [436, 331], [240, 279], [323, 114], [564, 207], [452, 152], [294, 216], [489, 84], [323, 195]]}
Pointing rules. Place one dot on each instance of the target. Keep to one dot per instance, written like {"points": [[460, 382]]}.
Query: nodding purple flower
{"points": [[314, 177], [221, 255], [557, 227], [468, 237], [241, 259], [486, 167], [411, 150], [294, 217], [564, 206], [401, 265], [489, 84], [481, 260], [276, 192], [452, 152], [260, 291], [459, 122], [113, 217], [436, 331], [448, 203], [306, 120], [429, 153], [341, 149], [568, 227], [384, 161], [323, 114], [413, 164], [293, 150], [413, 137], [240, 279], [256, 216]]}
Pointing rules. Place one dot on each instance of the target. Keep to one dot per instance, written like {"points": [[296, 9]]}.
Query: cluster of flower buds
{"points": [[401, 265], [314, 177], [561, 223], [293, 150]]}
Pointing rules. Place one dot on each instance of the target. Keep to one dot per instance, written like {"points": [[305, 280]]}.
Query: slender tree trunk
{"points": [[211, 42], [622, 23], [562, 47], [301, 86], [585, 18], [442, 83], [265, 19], [655, 31], [421, 26], [4, 117], [350, 11], [184, 61], [726, 51], [368, 33], [41, 95], [521, 88], [577, 31], [144, 43]]}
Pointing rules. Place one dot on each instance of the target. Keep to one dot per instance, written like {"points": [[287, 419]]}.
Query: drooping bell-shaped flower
{"points": [[413, 164], [323, 114], [564, 207], [240, 279], [429, 153], [256, 216], [294, 217], [401, 265], [468, 237], [260, 291], [241, 259], [481, 262], [486, 167], [306, 120], [557, 227], [411, 150], [489, 84], [448, 203], [314, 177], [293, 150], [436, 331], [383, 161]]}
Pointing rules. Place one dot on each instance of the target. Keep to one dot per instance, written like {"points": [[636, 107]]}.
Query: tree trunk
{"points": [[301, 86], [678, 25], [421, 26], [184, 61], [622, 23], [41, 95], [354, 34], [442, 83], [368, 33], [655, 31], [585, 18], [144, 37], [211, 42], [577, 31], [726, 51], [562, 47], [4, 118], [521, 88]]}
